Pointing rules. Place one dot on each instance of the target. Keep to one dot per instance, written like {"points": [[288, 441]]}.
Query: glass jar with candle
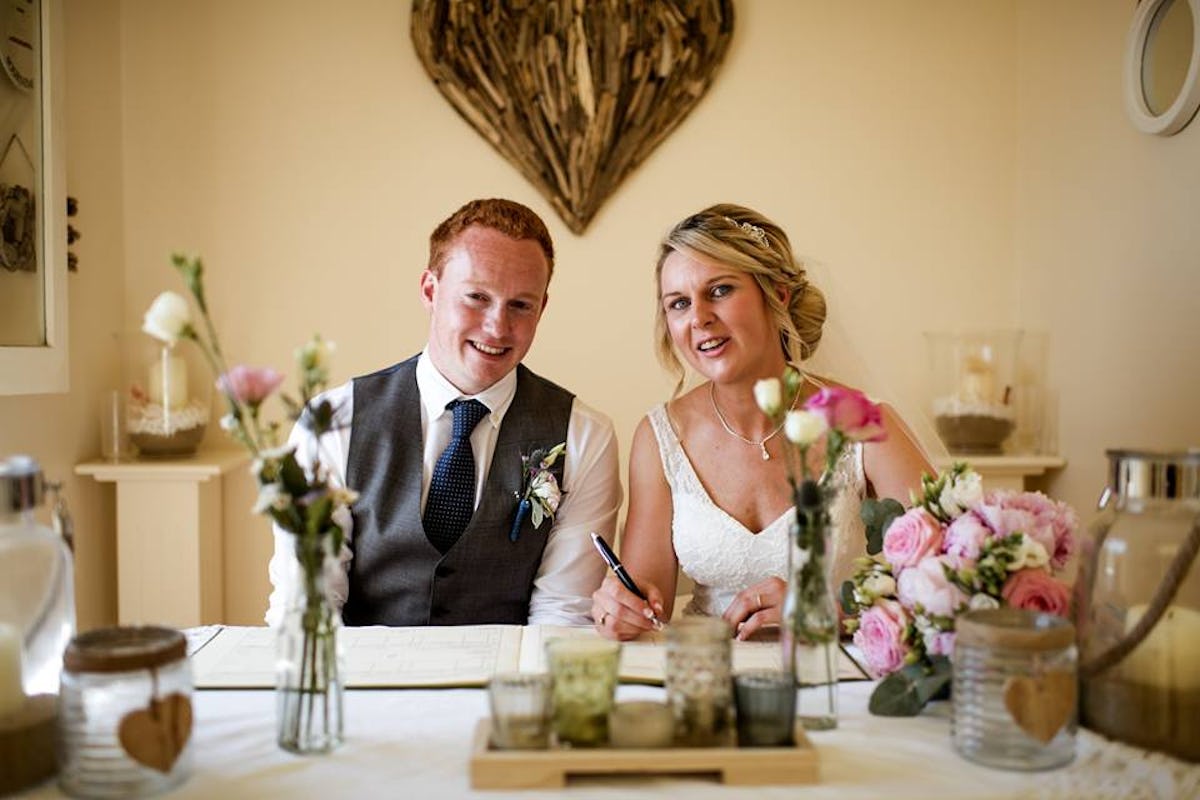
{"points": [[1138, 604], [972, 381], [125, 715], [167, 397]]}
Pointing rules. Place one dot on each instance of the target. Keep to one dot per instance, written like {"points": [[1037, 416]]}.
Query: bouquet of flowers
{"points": [[307, 502], [957, 548]]}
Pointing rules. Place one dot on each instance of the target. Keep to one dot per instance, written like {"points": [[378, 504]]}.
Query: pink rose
{"points": [[850, 412], [939, 643], [1035, 590], [965, 536], [880, 637], [250, 385], [926, 585], [910, 538]]}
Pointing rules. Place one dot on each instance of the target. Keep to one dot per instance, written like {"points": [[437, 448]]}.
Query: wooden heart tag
{"points": [[1041, 706], [573, 94], [156, 735]]}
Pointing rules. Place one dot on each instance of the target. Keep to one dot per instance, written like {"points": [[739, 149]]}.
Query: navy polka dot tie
{"points": [[451, 500]]}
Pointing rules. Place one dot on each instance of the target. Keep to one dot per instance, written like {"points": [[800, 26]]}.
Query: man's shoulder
{"points": [[409, 365]]}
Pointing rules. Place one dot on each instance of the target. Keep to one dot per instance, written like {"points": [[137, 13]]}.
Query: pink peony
{"points": [[850, 412], [1035, 590], [880, 637], [1049, 523], [250, 385], [910, 538], [965, 536], [926, 585]]}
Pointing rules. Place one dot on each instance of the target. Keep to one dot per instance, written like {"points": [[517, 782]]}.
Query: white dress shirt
{"points": [[570, 570]]}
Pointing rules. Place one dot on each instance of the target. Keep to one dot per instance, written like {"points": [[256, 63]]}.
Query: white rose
{"points": [[879, 584], [804, 427], [1030, 553], [961, 494], [168, 318], [768, 394], [981, 601], [545, 488]]}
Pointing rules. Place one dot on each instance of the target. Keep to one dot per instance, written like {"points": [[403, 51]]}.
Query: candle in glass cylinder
{"points": [[12, 695], [168, 380]]}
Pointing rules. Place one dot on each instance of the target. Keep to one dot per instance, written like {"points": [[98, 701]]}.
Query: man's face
{"points": [[485, 307]]}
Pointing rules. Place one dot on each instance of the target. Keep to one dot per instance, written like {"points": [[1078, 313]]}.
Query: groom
{"points": [[434, 447]]}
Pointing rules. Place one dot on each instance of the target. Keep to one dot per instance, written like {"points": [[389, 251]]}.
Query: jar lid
{"points": [[1147, 474], [124, 649], [21, 485], [1014, 628]]}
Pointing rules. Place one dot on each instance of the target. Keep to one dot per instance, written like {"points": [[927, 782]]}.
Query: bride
{"points": [[708, 491]]}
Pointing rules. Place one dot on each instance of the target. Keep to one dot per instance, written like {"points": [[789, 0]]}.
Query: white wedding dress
{"points": [[720, 554]]}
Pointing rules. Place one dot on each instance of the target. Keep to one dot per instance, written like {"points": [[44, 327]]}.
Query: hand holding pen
{"points": [[610, 558]]}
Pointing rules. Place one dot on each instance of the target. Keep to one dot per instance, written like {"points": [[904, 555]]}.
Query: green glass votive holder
{"points": [[699, 681], [641, 724], [522, 710], [584, 674], [766, 708]]}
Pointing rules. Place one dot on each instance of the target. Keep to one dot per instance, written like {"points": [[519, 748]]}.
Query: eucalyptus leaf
{"points": [[877, 515], [906, 691]]}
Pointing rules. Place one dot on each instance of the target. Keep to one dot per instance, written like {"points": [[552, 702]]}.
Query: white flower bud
{"points": [[768, 393], [804, 427], [982, 601], [1030, 553], [167, 318]]}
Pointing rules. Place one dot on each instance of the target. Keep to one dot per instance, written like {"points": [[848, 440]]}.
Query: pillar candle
{"points": [[12, 695], [168, 381]]}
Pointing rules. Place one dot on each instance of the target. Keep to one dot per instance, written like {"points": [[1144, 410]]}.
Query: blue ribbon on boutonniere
{"points": [[540, 494]]}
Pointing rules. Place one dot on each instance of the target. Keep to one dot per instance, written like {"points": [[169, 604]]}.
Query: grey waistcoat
{"points": [[396, 576]]}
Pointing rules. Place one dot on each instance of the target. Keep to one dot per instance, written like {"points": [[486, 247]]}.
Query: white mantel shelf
{"points": [[1006, 471], [170, 533]]}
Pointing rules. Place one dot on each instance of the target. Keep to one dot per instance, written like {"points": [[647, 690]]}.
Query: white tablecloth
{"points": [[416, 744]]}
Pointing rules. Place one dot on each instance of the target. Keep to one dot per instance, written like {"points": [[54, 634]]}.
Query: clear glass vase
{"points": [[810, 617], [308, 684]]}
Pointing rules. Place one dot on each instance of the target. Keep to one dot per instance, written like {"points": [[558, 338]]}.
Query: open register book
{"points": [[431, 657]]}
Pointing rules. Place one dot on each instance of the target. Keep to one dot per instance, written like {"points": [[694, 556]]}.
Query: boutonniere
{"points": [[539, 496]]}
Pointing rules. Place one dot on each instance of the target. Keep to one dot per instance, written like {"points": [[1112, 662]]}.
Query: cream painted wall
{"points": [[306, 155], [61, 430], [1108, 248], [950, 164]]}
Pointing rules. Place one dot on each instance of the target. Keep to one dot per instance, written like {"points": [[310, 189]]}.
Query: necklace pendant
{"points": [[765, 455]]}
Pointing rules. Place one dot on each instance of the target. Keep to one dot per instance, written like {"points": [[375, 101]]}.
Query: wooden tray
{"points": [[548, 769]]}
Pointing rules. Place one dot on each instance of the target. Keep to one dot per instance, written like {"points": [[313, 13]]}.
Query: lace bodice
{"points": [[719, 553]]}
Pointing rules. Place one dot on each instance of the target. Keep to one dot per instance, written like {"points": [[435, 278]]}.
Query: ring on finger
{"points": [[603, 618]]}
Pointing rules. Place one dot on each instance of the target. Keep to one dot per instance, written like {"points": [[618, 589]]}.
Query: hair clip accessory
{"points": [[756, 233]]}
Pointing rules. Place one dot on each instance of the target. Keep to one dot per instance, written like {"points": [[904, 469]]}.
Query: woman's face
{"points": [[718, 319]]}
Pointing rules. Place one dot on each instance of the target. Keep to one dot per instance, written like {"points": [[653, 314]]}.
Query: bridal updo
{"points": [[742, 238]]}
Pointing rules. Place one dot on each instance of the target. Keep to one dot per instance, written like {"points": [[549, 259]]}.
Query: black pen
{"points": [[618, 568]]}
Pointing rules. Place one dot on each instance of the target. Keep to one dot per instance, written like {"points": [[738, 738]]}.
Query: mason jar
{"points": [[125, 713], [1014, 689], [1138, 604]]}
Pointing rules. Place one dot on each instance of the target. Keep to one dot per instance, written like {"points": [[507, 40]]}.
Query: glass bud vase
{"points": [[308, 684], [810, 617]]}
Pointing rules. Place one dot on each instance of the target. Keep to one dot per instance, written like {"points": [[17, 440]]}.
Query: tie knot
{"points": [[467, 414]]}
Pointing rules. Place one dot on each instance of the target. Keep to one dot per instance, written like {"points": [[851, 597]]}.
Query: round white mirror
{"points": [[1162, 65]]}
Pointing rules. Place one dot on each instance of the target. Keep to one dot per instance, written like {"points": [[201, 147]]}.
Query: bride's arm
{"points": [[894, 466], [646, 548]]}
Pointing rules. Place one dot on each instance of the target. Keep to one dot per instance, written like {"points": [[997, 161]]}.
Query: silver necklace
{"points": [[761, 444]]}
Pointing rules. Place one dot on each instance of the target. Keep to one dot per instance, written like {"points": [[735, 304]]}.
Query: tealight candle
{"points": [[168, 381], [641, 723], [12, 694]]}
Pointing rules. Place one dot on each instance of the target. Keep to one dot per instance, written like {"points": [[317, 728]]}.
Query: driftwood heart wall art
{"points": [[574, 93]]}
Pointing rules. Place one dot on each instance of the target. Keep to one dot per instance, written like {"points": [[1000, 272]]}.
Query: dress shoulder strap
{"points": [[675, 464]]}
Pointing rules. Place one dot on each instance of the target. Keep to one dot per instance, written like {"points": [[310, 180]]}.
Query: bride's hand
{"points": [[620, 614], [756, 607]]}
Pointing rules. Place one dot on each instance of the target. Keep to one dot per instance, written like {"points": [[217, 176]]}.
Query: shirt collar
{"points": [[437, 392]]}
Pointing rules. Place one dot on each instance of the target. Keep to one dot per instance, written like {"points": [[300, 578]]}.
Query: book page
{"points": [[644, 659], [373, 657]]}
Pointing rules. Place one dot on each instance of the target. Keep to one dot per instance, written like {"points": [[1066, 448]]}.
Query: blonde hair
{"points": [[745, 240]]}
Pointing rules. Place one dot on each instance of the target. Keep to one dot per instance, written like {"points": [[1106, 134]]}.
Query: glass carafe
{"points": [[37, 606], [1138, 604]]}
